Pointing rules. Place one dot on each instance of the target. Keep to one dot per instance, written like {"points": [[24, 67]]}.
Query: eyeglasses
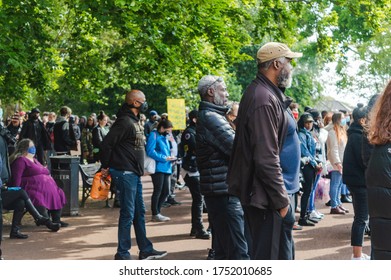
{"points": [[218, 80], [139, 101]]}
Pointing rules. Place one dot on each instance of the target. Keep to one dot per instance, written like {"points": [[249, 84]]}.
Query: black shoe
{"points": [[42, 221], [53, 226], [305, 223], [192, 232], [16, 234], [166, 205], [315, 221], [64, 224], [346, 199], [116, 204], [211, 254], [153, 255], [173, 202], [202, 234], [328, 203], [118, 257]]}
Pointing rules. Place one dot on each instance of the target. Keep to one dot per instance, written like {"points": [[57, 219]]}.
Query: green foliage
{"points": [[85, 53]]}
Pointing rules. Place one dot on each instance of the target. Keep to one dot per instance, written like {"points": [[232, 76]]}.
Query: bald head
{"points": [[134, 95]]}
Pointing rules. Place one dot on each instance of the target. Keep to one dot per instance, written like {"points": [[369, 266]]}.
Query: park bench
{"points": [[87, 172]]}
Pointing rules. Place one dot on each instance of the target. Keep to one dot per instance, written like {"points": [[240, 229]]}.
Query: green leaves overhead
{"points": [[59, 52]]}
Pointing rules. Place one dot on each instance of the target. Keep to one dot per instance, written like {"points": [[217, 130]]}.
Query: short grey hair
{"points": [[265, 65], [207, 82]]}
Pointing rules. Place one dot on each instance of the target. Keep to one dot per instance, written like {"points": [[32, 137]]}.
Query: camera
{"points": [[4, 132]]}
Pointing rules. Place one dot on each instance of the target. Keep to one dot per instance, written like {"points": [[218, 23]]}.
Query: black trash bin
{"points": [[65, 171]]}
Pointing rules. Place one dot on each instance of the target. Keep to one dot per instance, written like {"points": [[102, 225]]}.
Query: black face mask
{"points": [[165, 133], [143, 108]]}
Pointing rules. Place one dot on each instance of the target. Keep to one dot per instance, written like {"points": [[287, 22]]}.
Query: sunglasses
{"points": [[218, 80]]}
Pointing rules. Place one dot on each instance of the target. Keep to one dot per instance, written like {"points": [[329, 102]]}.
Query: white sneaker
{"points": [[160, 218], [315, 215], [364, 257], [320, 214]]}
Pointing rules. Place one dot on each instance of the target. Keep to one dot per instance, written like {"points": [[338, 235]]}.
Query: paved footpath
{"points": [[93, 235]]}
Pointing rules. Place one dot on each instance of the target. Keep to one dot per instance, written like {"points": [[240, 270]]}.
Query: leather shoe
{"points": [[202, 234], [53, 226], [18, 235], [41, 221], [343, 209], [337, 210], [328, 203]]}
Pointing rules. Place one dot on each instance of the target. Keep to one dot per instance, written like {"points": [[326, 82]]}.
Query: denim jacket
{"points": [[158, 148], [307, 146]]}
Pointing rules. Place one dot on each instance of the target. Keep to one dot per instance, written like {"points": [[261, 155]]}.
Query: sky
{"points": [[329, 78]]}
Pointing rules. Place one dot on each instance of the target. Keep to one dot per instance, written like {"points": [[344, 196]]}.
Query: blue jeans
{"points": [[132, 210], [344, 190], [335, 188], [361, 214], [311, 202], [227, 220]]}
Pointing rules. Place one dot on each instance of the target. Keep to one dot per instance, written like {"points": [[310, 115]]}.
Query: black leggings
{"points": [[161, 185], [309, 174], [14, 200]]}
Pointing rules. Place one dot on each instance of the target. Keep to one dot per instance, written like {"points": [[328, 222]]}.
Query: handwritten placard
{"points": [[177, 113]]}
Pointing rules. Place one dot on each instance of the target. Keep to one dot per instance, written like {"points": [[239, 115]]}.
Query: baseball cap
{"points": [[35, 110], [274, 50], [152, 113], [307, 117]]}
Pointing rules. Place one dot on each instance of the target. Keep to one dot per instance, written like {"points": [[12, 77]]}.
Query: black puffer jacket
{"points": [[214, 141], [353, 165], [378, 178]]}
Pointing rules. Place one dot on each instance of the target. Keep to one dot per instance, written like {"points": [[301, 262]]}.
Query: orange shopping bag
{"points": [[100, 187]]}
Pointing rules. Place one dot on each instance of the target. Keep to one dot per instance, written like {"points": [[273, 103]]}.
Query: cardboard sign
{"points": [[176, 111]]}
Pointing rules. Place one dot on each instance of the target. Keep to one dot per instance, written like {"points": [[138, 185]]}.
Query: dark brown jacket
{"points": [[255, 174]]}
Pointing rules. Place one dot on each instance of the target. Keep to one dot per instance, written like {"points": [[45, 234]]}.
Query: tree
{"points": [[81, 52]]}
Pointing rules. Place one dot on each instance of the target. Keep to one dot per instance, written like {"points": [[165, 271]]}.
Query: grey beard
{"points": [[285, 79], [218, 101]]}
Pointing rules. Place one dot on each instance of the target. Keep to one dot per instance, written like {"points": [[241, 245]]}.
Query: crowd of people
{"points": [[249, 176]]}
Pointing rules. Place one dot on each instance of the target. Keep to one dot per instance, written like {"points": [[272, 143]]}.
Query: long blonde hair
{"points": [[340, 131], [21, 149], [379, 131]]}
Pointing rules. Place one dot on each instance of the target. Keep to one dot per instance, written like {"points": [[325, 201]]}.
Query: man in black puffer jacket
{"points": [[214, 141]]}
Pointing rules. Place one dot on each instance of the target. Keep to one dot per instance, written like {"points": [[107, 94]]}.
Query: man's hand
{"points": [[284, 211], [105, 172]]}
